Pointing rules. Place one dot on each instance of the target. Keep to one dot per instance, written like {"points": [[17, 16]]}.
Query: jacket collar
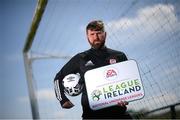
{"points": [[100, 49]]}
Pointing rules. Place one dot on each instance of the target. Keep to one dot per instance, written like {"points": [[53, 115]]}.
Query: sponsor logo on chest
{"points": [[112, 61]]}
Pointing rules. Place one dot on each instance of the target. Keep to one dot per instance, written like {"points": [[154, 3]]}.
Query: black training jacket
{"points": [[82, 62]]}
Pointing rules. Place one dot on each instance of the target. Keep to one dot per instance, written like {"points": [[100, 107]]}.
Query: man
{"points": [[97, 56]]}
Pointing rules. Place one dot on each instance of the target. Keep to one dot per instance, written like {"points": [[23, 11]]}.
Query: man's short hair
{"points": [[96, 25]]}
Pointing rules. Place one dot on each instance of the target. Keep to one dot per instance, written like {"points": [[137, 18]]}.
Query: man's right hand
{"points": [[67, 105]]}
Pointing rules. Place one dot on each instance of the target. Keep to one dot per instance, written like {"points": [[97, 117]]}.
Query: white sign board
{"points": [[112, 83]]}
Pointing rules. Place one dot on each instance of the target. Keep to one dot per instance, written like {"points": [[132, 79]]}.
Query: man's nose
{"points": [[96, 36]]}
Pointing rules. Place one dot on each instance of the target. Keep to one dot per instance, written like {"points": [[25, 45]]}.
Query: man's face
{"points": [[96, 38]]}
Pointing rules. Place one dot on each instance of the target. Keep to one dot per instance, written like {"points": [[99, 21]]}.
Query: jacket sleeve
{"points": [[70, 67]]}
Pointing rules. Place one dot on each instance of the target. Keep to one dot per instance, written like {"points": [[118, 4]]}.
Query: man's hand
{"points": [[122, 103], [67, 105]]}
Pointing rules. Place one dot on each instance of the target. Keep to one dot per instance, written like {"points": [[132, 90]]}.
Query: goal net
{"points": [[147, 31]]}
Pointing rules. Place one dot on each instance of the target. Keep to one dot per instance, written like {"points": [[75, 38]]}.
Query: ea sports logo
{"points": [[110, 73]]}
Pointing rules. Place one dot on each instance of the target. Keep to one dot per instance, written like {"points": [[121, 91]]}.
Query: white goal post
{"points": [[41, 5]]}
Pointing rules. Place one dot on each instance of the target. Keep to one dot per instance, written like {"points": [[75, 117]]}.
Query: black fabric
{"points": [[83, 62]]}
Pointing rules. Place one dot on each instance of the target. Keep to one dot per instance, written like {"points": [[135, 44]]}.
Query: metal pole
{"points": [[27, 61], [31, 87], [35, 23]]}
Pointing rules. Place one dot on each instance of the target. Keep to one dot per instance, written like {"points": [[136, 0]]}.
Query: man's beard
{"points": [[96, 44]]}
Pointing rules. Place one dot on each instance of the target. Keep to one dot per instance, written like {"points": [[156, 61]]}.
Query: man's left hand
{"points": [[122, 103]]}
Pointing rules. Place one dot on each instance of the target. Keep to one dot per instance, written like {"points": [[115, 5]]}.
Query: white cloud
{"points": [[43, 94], [46, 94], [60, 114], [146, 17], [150, 24]]}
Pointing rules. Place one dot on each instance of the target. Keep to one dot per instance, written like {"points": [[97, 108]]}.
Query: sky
{"points": [[146, 31], [16, 17]]}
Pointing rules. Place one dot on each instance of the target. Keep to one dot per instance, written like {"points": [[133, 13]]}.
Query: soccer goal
{"points": [[146, 31]]}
